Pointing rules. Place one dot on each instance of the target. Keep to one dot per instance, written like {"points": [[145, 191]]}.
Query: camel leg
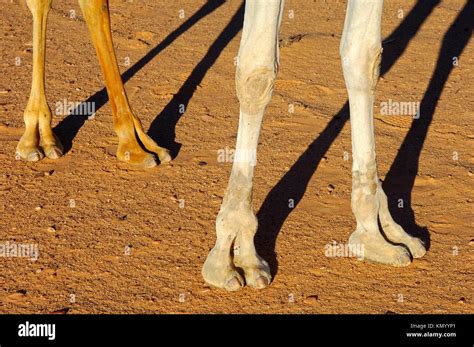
{"points": [[236, 223], [361, 54], [126, 125], [38, 139]]}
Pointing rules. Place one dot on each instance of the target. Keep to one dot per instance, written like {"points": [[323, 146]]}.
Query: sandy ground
{"points": [[116, 240]]}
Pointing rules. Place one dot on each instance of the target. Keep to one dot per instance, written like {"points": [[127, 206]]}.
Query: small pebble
{"points": [[330, 188], [51, 229], [462, 301], [38, 208], [311, 300]]}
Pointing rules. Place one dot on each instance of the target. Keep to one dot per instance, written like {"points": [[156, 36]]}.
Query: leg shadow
{"points": [[68, 128], [163, 128], [275, 210], [400, 179]]}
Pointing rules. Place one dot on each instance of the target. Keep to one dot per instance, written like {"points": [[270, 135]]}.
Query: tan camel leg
{"points": [[38, 139], [127, 126]]}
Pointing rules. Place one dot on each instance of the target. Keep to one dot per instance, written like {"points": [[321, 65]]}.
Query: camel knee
{"points": [[254, 88], [361, 66]]}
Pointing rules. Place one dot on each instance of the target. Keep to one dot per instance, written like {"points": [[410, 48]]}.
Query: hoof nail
{"points": [[35, 156], [165, 158], [404, 259], [149, 162], [54, 153], [261, 282], [233, 284], [419, 250]]}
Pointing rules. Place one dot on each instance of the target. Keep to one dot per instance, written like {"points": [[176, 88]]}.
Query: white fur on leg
{"points": [[361, 54], [236, 223]]}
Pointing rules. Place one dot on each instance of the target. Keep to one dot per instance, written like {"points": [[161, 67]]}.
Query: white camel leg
{"points": [[361, 54], [236, 223]]}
